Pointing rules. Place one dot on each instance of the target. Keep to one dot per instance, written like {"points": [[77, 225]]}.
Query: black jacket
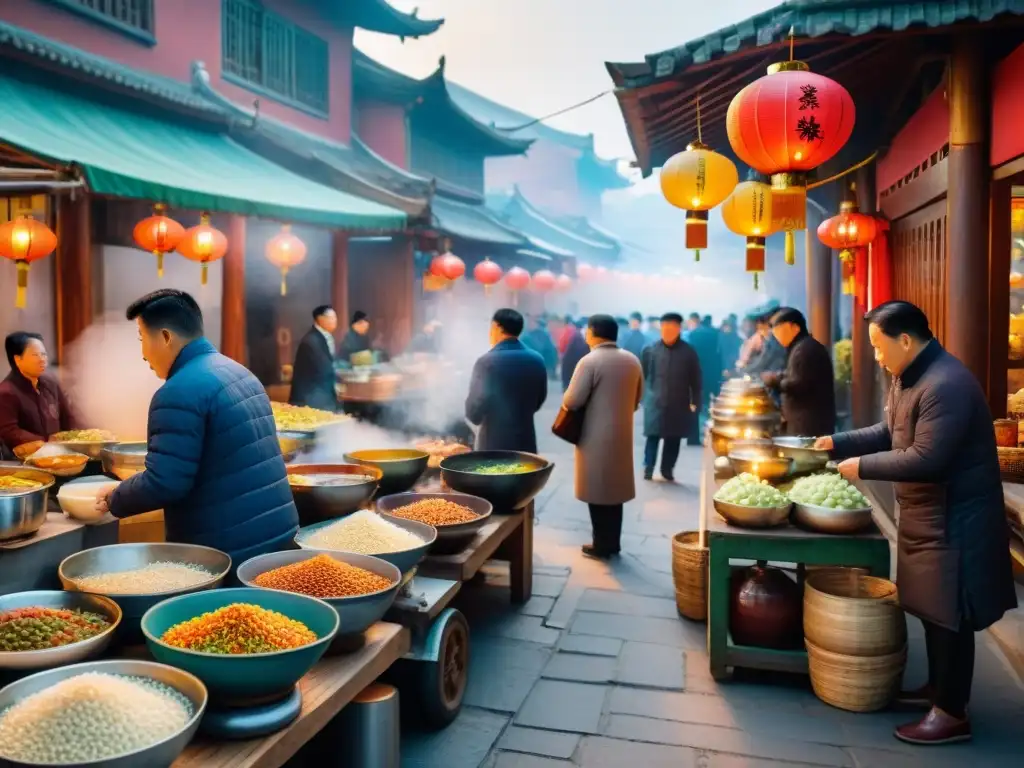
{"points": [[808, 389], [574, 352], [672, 383], [313, 373], [938, 447], [509, 385]]}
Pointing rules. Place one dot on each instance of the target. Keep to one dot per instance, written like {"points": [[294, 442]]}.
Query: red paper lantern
{"points": [[584, 271], [448, 265], [488, 273], [23, 241], [848, 230], [517, 278], [543, 280], [563, 282], [203, 243], [284, 251], [158, 234], [786, 124]]}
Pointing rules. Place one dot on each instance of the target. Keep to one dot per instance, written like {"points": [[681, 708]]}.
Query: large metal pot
{"points": [[742, 386], [765, 422], [22, 513], [802, 451], [722, 438], [755, 400], [124, 459]]}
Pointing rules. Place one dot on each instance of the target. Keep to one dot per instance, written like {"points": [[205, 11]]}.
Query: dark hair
{"points": [[322, 310], [695, 316], [568, 320], [790, 315], [653, 319], [509, 320], [15, 344], [359, 315], [894, 318], [636, 316], [620, 321], [171, 310], [672, 317], [604, 327], [707, 320]]}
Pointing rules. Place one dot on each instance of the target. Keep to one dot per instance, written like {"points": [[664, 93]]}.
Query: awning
{"points": [[128, 154], [473, 222]]}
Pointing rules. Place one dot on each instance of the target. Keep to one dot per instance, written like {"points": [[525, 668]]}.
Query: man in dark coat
{"points": [[704, 340], [953, 566], [575, 350], [807, 385], [213, 463], [672, 392], [313, 378], [538, 338], [357, 339], [509, 386], [635, 340]]}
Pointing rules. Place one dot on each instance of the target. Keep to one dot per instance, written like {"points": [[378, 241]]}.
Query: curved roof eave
{"points": [[529, 210], [381, 16]]}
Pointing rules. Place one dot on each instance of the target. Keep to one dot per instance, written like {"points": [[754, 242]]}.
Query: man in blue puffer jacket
{"points": [[213, 463]]}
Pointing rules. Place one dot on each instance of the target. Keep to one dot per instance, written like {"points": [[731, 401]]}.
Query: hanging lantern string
{"points": [[699, 136], [866, 161]]}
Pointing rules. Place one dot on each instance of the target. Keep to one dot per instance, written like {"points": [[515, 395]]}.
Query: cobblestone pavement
{"points": [[598, 670]]}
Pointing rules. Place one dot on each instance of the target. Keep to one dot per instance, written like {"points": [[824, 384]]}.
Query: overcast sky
{"points": [[540, 56]]}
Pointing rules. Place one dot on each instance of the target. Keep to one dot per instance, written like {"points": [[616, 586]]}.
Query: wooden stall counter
{"points": [[326, 689], [31, 563]]}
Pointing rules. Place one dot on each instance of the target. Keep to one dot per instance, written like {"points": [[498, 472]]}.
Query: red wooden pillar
{"points": [[232, 322], [819, 280], [339, 282], [864, 365], [967, 206], [73, 269]]}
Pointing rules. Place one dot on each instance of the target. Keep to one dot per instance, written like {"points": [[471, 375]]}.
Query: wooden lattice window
{"points": [[132, 16], [919, 251], [268, 53]]}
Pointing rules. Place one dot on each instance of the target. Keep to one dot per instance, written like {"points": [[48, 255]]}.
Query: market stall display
{"points": [[115, 714], [124, 459], [763, 463], [439, 449], [329, 491], [747, 501], [509, 480], [24, 496], [301, 418], [57, 460], [849, 613], [91, 442], [827, 503], [323, 576], [801, 450], [77, 499], [403, 543], [400, 467], [456, 517]]}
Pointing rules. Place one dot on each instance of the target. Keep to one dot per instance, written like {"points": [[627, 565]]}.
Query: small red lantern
{"points": [[563, 283], [23, 241], [487, 273], [543, 280], [284, 251], [159, 234], [448, 265], [584, 271], [848, 230], [517, 278], [203, 243]]}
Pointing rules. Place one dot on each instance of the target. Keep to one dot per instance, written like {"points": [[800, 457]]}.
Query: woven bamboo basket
{"points": [[855, 683], [850, 613], [1011, 464], [690, 574]]}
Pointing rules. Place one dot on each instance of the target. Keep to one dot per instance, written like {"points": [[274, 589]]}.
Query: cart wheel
{"points": [[442, 683]]}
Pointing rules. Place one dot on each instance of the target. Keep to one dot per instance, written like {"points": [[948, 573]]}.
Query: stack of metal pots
{"points": [[742, 411]]}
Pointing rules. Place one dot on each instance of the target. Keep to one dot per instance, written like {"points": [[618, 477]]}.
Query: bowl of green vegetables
{"points": [[749, 502], [827, 503]]}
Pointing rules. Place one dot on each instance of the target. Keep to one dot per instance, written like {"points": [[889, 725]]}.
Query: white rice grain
{"points": [[364, 533], [148, 580]]}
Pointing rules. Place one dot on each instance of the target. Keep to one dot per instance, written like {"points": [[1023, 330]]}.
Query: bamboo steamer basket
{"points": [[690, 574], [855, 683], [850, 613]]}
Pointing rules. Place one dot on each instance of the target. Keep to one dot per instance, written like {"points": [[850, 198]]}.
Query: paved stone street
{"points": [[598, 669]]}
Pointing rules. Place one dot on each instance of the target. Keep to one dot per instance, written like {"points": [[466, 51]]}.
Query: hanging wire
{"points": [[866, 161], [514, 128]]}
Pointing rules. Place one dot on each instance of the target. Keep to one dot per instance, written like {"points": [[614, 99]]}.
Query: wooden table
{"points": [[785, 544], [326, 689], [505, 537]]}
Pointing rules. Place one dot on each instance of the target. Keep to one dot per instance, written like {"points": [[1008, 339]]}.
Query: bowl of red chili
{"points": [[49, 628]]}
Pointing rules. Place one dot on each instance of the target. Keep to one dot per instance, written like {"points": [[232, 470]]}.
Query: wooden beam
{"points": [[73, 269], [818, 258], [232, 305], [339, 281], [999, 259], [863, 393]]}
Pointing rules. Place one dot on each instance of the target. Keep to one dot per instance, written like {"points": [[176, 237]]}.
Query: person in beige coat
{"points": [[607, 386]]}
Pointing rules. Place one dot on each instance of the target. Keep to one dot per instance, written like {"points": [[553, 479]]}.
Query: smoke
{"points": [[108, 382]]}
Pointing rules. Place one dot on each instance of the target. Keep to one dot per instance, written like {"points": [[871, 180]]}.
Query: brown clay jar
{"points": [[766, 609]]}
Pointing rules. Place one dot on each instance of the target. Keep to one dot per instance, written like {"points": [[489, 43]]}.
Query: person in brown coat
{"points": [[32, 406], [937, 446], [607, 385]]}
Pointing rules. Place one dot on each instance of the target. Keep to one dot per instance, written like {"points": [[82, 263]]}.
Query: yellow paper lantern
{"points": [[748, 212], [697, 180]]}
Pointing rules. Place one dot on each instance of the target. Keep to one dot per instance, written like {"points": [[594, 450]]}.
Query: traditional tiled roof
{"points": [[573, 234], [381, 16]]}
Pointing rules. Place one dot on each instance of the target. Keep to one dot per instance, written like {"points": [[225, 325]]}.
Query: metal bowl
{"points": [[752, 517], [802, 451], [753, 403], [405, 560], [763, 464], [742, 386], [63, 654], [507, 493], [293, 443], [91, 448], [402, 467], [127, 557], [124, 459], [159, 755], [450, 538], [22, 513], [722, 439], [356, 614], [827, 520], [317, 503], [763, 423]]}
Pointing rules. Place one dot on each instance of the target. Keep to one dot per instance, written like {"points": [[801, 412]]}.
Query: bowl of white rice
{"points": [[403, 543], [100, 714]]}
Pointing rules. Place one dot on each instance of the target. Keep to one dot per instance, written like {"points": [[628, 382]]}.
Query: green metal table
{"points": [[785, 544]]}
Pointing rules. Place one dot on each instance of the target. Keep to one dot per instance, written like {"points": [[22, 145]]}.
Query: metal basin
{"points": [[723, 438], [752, 517], [124, 459], [753, 403], [763, 464], [450, 538], [752, 426], [802, 451], [128, 557], [836, 521], [401, 467], [356, 614], [743, 386], [294, 443], [317, 503], [64, 654], [22, 513], [405, 560], [159, 755], [507, 493]]}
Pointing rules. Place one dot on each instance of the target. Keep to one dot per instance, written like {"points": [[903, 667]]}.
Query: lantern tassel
{"points": [[159, 264], [696, 254], [19, 300], [756, 275], [203, 272], [790, 248], [487, 290], [284, 281]]}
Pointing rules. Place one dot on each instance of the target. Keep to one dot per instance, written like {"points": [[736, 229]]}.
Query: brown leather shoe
{"points": [[937, 727], [918, 698]]}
